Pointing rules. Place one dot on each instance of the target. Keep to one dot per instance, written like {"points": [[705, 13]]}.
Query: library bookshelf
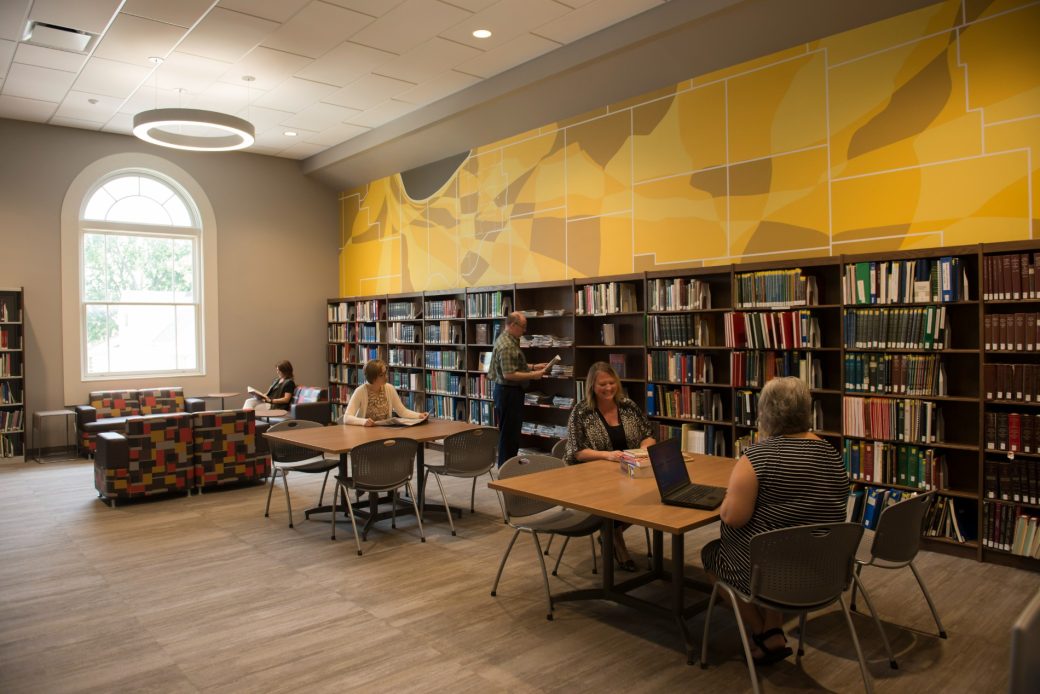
{"points": [[900, 350], [12, 373]]}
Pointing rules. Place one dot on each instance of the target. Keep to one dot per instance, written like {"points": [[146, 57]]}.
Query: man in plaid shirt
{"points": [[509, 369]]}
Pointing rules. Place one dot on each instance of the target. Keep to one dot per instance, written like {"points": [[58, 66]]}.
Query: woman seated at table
{"points": [[376, 400], [279, 395], [791, 477], [600, 427]]}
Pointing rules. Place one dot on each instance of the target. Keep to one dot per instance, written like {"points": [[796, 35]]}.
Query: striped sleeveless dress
{"points": [[800, 482]]}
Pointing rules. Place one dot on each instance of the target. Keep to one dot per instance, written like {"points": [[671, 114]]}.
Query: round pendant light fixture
{"points": [[194, 129]]}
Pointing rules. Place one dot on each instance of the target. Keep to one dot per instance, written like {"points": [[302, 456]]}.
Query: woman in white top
{"points": [[377, 400]]}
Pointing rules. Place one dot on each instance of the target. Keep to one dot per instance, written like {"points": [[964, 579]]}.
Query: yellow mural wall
{"points": [[918, 131]]}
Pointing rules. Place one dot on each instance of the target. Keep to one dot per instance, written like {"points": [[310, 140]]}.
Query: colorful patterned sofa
{"points": [[109, 409], [154, 456], [226, 449]]}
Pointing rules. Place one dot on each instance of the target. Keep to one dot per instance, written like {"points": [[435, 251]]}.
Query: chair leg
{"points": [[873, 613], [548, 545], [743, 636], [562, 550], [321, 497], [418, 516], [502, 564], [393, 508], [931, 605], [592, 543], [267, 509], [353, 524], [801, 639], [707, 625], [285, 486], [335, 497], [545, 577], [451, 523], [472, 497], [649, 547], [426, 485], [852, 599], [855, 642]]}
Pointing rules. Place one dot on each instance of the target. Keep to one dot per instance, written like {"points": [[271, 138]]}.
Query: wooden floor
{"points": [[205, 594]]}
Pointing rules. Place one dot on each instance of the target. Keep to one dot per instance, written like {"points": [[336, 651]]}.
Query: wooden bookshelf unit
{"points": [[13, 419]]}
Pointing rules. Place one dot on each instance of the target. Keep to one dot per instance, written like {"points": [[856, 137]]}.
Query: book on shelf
{"points": [[773, 330], [705, 439], [756, 368], [896, 374], [776, 289], [679, 367], [928, 280], [880, 462], [481, 334], [608, 334], [617, 362], [897, 328], [1010, 277], [1015, 432], [910, 421], [1011, 479], [1011, 529], [678, 294], [1011, 332]]}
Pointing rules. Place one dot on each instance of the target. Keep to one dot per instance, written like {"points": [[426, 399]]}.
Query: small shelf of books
{"points": [[549, 310], [12, 373]]}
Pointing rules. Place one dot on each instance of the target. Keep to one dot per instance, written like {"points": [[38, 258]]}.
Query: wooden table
{"points": [[221, 396], [339, 439], [269, 412], [599, 488]]}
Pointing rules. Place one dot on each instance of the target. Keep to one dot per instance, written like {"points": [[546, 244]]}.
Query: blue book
{"points": [[874, 500]]}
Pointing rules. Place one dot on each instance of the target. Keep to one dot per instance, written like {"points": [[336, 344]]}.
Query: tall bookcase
{"points": [[405, 355], [907, 381], [12, 373]]}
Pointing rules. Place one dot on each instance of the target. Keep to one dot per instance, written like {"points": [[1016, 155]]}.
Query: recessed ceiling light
{"points": [[482, 34], [155, 60], [290, 133]]}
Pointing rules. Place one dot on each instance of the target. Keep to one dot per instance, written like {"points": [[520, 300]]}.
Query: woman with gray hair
{"points": [[791, 477]]}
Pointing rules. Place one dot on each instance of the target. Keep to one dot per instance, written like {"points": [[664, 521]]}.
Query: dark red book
{"points": [[1014, 432]]}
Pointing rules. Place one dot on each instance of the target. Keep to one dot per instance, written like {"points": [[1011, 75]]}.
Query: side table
{"points": [[37, 429]]}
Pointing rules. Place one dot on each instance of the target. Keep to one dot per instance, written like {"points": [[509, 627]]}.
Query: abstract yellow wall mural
{"points": [[918, 131]]}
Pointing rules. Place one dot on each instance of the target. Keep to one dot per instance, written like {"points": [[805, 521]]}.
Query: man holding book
{"points": [[509, 371]]}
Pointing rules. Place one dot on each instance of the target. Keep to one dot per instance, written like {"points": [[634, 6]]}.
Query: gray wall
{"points": [[272, 223]]}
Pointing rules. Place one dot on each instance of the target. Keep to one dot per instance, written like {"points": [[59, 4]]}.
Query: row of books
{"points": [[405, 357], [563, 402], [479, 386], [10, 339], [605, 298], [481, 412], [1017, 432], [445, 382], [341, 312], [619, 363], [12, 420], [374, 332], [1012, 332], [880, 462], [865, 505], [679, 367], [340, 392], [488, 305], [923, 281], [341, 332], [707, 439], [680, 331], [443, 359], [897, 328], [755, 369], [339, 373], [10, 446], [10, 393], [403, 333], [559, 370], [745, 409], [911, 421], [1012, 480], [1010, 277], [402, 310], [340, 352], [443, 308], [366, 354], [1011, 382], [678, 294], [9, 315], [537, 397], [446, 407], [552, 431], [684, 402], [745, 441], [774, 330], [952, 518], [369, 310], [485, 335], [775, 289], [412, 380], [899, 374], [444, 333], [546, 341], [1008, 528]]}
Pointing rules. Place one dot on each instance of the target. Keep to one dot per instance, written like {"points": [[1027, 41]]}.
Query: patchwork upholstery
{"points": [[115, 403], [154, 456], [225, 449], [161, 400], [306, 394], [109, 409]]}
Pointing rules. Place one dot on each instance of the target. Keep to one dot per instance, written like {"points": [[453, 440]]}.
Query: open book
{"points": [[400, 422], [258, 393], [553, 362]]}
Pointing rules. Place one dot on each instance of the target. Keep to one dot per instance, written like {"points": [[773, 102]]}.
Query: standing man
{"points": [[508, 370]]}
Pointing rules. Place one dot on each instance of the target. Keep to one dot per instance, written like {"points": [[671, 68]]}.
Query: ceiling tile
{"points": [[575, 3], [122, 123], [429, 59], [74, 123], [147, 97], [295, 95], [77, 105], [274, 136], [336, 134], [375, 8], [513, 53], [225, 97], [275, 10], [301, 150], [268, 66], [437, 88], [316, 29], [591, 18], [368, 91], [6, 54], [506, 19], [345, 63], [383, 113], [111, 78], [473, 5], [48, 57], [133, 40], [226, 35], [410, 24], [183, 13], [321, 117], [192, 73], [26, 109], [40, 83], [12, 19], [266, 118], [86, 15]]}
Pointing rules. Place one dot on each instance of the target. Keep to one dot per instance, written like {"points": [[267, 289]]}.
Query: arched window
{"points": [[140, 278]]}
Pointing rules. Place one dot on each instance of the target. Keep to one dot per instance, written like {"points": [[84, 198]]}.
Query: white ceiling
{"points": [[328, 70]]}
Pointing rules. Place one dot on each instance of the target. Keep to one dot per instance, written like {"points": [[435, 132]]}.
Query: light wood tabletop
{"points": [[341, 438]]}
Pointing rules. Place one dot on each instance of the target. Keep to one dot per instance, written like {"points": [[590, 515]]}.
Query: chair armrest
{"points": [[320, 412], [194, 405], [85, 414], [262, 447], [113, 451]]}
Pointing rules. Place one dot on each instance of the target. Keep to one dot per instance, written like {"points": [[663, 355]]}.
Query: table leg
{"points": [[679, 593], [607, 534]]}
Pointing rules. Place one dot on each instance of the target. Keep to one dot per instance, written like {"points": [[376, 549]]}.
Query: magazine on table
{"points": [[400, 421]]}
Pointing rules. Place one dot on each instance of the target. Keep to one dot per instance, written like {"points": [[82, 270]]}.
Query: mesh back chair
{"points": [[896, 542], [468, 454], [379, 466], [559, 449], [801, 569], [534, 517], [1025, 644], [288, 457]]}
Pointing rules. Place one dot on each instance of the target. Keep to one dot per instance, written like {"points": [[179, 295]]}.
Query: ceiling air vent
{"points": [[54, 36]]}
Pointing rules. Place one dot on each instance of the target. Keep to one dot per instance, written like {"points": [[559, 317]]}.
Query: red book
{"points": [[1014, 432]]}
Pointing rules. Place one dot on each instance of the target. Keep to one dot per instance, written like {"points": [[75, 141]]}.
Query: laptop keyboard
{"points": [[694, 493]]}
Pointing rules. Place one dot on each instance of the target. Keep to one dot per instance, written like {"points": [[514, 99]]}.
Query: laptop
{"points": [[673, 481]]}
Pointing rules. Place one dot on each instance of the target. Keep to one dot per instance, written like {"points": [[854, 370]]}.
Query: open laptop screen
{"points": [[666, 458]]}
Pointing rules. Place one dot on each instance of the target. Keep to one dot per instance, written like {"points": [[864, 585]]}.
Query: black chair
{"points": [[288, 457], [1025, 645], [468, 454], [801, 569]]}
